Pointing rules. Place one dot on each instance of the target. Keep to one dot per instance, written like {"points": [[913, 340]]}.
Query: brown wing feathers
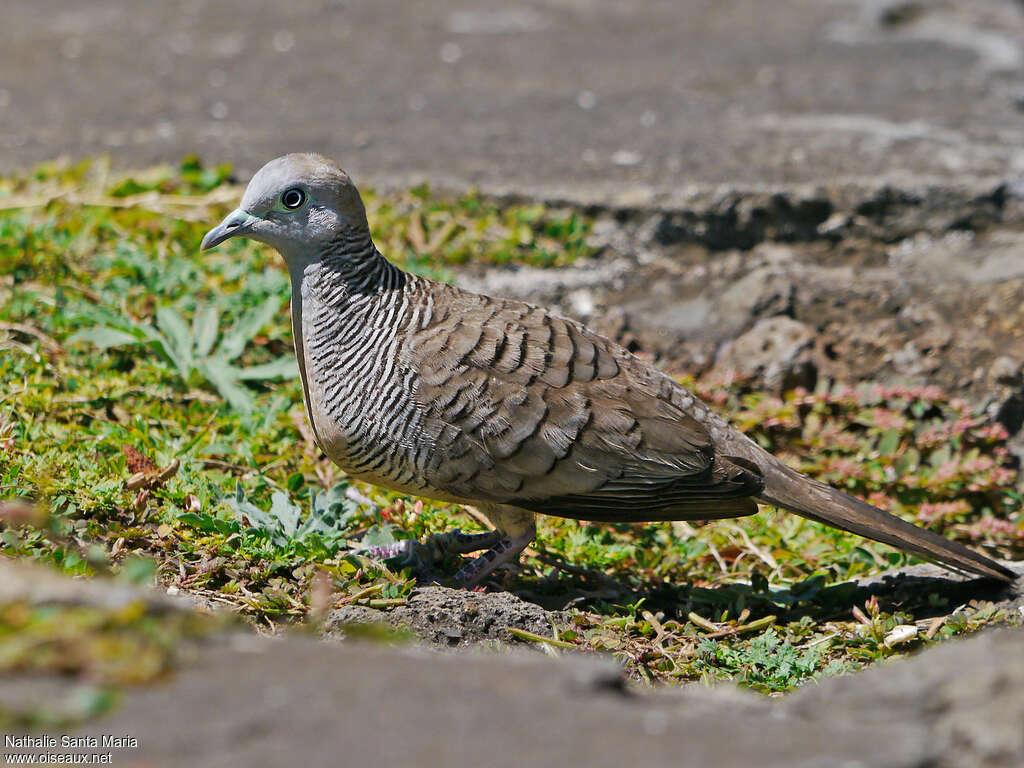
{"points": [[551, 417], [542, 414]]}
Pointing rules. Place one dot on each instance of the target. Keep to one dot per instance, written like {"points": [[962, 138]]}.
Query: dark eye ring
{"points": [[293, 198]]}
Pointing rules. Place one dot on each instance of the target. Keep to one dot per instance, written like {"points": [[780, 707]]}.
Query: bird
{"points": [[427, 389]]}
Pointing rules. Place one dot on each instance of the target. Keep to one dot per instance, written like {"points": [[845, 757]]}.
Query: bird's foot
{"points": [[422, 556], [505, 551]]}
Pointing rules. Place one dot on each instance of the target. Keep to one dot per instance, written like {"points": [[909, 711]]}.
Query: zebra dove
{"points": [[430, 390]]}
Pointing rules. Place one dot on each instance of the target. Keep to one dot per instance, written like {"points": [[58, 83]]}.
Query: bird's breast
{"points": [[359, 393]]}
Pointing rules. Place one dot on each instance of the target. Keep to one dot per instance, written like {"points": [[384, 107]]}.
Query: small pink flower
{"points": [[928, 512], [1003, 477], [977, 465], [886, 419], [946, 472], [993, 431], [994, 526]]}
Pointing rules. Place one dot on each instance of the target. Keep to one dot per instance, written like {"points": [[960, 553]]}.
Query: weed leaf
{"points": [[103, 337], [249, 324], [205, 324]]}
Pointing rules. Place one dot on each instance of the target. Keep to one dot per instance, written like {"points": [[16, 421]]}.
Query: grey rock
{"points": [[697, 309], [306, 703], [961, 256], [547, 286], [967, 697], [248, 700], [762, 292], [778, 353], [451, 617], [296, 701], [914, 312], [1007, 371]]}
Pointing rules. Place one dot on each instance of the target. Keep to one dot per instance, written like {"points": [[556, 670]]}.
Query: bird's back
{"points": [[434, 390]]}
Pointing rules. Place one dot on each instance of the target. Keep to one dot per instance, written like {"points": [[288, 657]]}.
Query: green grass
{"points": [[126, 438]]}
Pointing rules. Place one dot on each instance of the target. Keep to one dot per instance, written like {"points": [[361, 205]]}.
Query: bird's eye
{"points": [[293, 198]]}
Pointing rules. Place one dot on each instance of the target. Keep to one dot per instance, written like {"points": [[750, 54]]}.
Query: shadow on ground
{"points": [[454, 617]]}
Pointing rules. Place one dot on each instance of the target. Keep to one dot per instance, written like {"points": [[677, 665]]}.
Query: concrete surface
{"points": [[618, 98], [243, 700]]}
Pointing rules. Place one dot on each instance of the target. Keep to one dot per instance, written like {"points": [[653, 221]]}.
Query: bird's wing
{"points": [[531, 409]]}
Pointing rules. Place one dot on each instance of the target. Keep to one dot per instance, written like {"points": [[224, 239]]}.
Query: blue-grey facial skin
{"points": [[330, 204]]}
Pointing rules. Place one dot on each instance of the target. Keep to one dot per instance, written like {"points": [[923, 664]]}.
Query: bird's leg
{"points": [[422, 555], [517, 527]]}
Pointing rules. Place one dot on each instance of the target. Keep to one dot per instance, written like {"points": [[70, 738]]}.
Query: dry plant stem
{"points": [[935, 626], [530, 637], [715, 632], [361, 594], [30, 330], [148, 201]]}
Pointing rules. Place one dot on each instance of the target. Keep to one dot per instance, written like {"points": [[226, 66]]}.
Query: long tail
{"points": [[816, 501]]}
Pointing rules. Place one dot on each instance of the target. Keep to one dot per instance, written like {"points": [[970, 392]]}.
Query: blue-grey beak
{"points": [[238, 222]]}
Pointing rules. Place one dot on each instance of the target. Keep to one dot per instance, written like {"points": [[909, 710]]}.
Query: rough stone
{"points": [[248, 700], [552, 96], [1007, 371], [297, 702], [778, 353], [913, 312], [451, 617], [968, 697], [252, 701]]}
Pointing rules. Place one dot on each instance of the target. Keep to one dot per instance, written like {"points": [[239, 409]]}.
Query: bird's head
{"points": [[298, 204]]}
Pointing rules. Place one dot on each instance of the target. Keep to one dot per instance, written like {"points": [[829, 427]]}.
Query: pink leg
{"points": [[410, 552], [519, 528], [505, 551]]}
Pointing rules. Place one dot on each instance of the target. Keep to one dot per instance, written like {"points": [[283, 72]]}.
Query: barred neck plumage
{"points": [[353, 265], [355, 308]]}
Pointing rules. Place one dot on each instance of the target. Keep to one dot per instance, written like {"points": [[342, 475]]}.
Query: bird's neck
{"points": [[338, 296], [357, 274], [336, 290], [348, 270]]}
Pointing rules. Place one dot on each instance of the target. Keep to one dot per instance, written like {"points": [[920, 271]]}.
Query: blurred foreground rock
{"points": [[246, 700]]}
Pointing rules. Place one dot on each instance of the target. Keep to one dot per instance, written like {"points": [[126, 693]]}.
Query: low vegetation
{"points": [[150, 418]]}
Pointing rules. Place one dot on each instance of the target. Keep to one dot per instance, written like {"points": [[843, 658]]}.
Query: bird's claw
{"points": [[506, 550], [401, 554], [423, 556]]}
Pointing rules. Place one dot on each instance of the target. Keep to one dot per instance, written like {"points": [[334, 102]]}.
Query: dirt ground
{"points": [[631, 101]]}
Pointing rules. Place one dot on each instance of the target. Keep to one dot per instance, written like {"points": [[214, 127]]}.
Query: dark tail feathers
{"points": [[808, 498]]}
